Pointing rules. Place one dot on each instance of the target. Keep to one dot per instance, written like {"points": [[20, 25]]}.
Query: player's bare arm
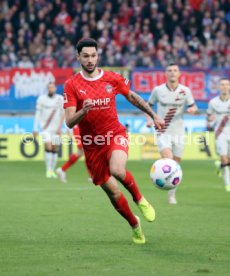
{"points": [[149, 120], [73, 117], [60, 123], [137, 101], [210, 121], [35, 134], [36, 122], [210, 118]]}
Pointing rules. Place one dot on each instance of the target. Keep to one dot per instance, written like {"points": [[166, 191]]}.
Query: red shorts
{"points": [[97, 158], [77, 137]]}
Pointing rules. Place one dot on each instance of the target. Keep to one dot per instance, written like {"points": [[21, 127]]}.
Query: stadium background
{"points": [[136, 38], [47, 228]]}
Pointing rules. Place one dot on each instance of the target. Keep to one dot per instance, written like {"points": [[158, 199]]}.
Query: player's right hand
{"points": [[87, 104], [158, 122], [35, 134]]}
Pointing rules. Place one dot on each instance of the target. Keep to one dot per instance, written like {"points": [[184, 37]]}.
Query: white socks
{"points": [[226, 175], [172, 192], [54, 160], [50, 160]]}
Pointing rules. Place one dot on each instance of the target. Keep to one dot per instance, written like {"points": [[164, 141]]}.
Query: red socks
{"points": [[130, 184], [121, 205], [72, 159]]}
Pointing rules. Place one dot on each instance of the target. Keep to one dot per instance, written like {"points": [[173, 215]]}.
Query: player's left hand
{"points": [[158, 122], [87, 104], [149, 122], [59, 132], [192, 110], [35, 134]]}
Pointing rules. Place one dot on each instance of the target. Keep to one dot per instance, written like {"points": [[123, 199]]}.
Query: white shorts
{"points": [[223, 145], [175, 142], [50, 137]]}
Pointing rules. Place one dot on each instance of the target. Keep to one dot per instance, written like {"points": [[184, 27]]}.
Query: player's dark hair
{"points": [[86, 42], [171, 64], [224, 78]]}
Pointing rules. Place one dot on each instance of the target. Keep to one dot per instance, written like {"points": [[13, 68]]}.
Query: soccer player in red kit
{"points": [[89, 101]]}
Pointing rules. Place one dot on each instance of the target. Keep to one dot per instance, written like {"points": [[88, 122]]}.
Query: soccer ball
{"points": [[166, 174]]}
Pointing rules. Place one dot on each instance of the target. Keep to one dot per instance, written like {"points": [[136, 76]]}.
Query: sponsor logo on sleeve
{"points": [[126, 81], [65, 98]]}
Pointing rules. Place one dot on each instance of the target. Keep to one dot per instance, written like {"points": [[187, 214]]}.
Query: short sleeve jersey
{"points": [[102, 89], [170, 106], [50, 110], [221, 110]]}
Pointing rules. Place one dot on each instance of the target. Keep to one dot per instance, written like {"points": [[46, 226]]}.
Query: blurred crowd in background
{"points": [[135, 33]]}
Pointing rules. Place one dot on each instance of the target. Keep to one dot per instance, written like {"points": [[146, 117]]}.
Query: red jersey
{"points": [[102, 89]]}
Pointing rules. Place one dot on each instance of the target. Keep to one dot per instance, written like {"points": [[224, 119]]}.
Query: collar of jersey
{"points": [[93, 79], [172, 90], [224, 100]]}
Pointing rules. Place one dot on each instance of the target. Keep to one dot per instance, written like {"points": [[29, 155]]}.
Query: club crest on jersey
{"points": [[108, 88], [182, 92], [126, 81]]}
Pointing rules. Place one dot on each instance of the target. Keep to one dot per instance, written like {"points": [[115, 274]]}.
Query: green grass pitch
{"points": [[50, 228]]}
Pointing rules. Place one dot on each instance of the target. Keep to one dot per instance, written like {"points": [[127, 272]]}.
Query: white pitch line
{"points": [[50, 189]]}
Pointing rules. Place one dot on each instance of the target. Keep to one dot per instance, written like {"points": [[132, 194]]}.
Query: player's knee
{"points": [[113, 192], [224, 160], [118, 172], [167, 154], [177, 159]]}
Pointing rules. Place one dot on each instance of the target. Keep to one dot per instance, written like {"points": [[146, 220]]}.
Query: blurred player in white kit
{"points": [[219, 113], [172, 99], [49, 117]]}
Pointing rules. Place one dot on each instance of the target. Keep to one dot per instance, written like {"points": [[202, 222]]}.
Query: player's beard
{"points": [[173, 80], [51, 94], [89, 71]]}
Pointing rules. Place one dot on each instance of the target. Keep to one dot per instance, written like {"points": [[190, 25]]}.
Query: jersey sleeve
{"points": [[153, 97], [39, 103], [38, 112], [210, 109], [123, 85], [70, 98], [190, 99]]}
